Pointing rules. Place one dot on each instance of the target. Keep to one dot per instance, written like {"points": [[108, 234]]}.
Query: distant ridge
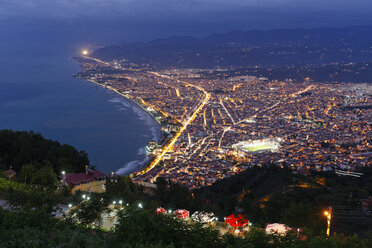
{"points": [[248, 48]]}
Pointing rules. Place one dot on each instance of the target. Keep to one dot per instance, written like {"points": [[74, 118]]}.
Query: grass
{"points": [[258, 148], [6, 185]]}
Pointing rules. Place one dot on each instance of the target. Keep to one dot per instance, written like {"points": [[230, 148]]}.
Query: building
{"points": [[88, 181], [10, 173]]}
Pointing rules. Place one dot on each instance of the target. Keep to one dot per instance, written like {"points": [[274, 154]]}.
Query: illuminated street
{"points": [[215, 125]]}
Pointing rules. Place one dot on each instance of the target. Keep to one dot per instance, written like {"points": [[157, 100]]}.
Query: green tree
{"points": [[144, 226], [45, 176], [26, 173], [89, 213], [122, 187]]}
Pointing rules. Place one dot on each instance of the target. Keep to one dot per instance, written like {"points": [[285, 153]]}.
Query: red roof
{"points": [[181, 213], [10, 173], [367, 202], [73, 179], [234, 220], [161, 210]]}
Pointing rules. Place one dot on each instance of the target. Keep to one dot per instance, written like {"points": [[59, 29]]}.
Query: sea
{"points": [[38, 92]]}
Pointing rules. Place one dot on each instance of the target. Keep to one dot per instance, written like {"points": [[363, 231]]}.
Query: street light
{"points": [[114, 202], [140, 205], [63, 176], [169, 211], [120, 202], [84, 196], [88, 198], [328, 214], [70, 205]]}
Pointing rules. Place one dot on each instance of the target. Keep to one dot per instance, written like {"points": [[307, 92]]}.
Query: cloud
{"points": [[106, 21], [60, 9]]}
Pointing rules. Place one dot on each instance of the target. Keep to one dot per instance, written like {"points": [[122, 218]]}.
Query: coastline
{"points": [[151, 162], [144, 163]]}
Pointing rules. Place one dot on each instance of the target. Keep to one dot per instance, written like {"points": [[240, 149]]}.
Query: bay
{"points": [[38, 92]]}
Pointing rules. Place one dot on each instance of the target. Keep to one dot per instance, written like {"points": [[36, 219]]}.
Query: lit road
{"points": [[97, 60], [170, 144], [279, 102], [228, 113], [209, 120]]}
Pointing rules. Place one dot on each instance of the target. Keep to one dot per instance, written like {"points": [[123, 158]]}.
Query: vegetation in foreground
{"points": [[263, 194], [20, 149], [143, 228]]}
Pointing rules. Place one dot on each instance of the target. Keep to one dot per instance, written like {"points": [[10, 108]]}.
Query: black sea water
{"points": [[38, 92]]}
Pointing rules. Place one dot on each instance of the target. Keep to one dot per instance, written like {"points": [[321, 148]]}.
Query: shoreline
{"points": [[147, 160], [132, 100]]}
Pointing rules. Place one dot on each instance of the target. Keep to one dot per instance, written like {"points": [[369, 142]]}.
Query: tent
{"points": [[277, 228], [181, 213], [161, 210], [203, 217], [236, 220]]}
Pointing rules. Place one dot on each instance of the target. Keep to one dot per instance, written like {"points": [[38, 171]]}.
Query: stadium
{"points": [[258, 145]]}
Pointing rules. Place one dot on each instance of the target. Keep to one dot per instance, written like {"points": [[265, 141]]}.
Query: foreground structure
{"points": [[88, 181]]}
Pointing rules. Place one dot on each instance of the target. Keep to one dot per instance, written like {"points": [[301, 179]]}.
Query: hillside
{"points": [[270, 194], [28, 148], [296, 47], [265, 194]]}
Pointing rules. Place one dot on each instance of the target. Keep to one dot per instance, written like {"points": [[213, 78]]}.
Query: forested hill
{"points": [[292, 47], [270, 194], [28, 148]]}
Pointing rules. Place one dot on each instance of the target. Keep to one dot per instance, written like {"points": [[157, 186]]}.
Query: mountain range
{"points": [[281, 47]]}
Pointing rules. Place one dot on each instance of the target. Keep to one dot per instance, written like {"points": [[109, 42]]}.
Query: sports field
{"points": [[261, 147]]}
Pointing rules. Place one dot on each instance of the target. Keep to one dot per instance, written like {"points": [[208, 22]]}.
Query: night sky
{"points": [[114, 21]]}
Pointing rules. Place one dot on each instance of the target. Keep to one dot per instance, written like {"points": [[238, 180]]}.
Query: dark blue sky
{"points": [[115, 21]]}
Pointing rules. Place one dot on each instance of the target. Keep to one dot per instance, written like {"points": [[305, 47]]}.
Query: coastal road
{"points": [[97, 60], [170, 144]]}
